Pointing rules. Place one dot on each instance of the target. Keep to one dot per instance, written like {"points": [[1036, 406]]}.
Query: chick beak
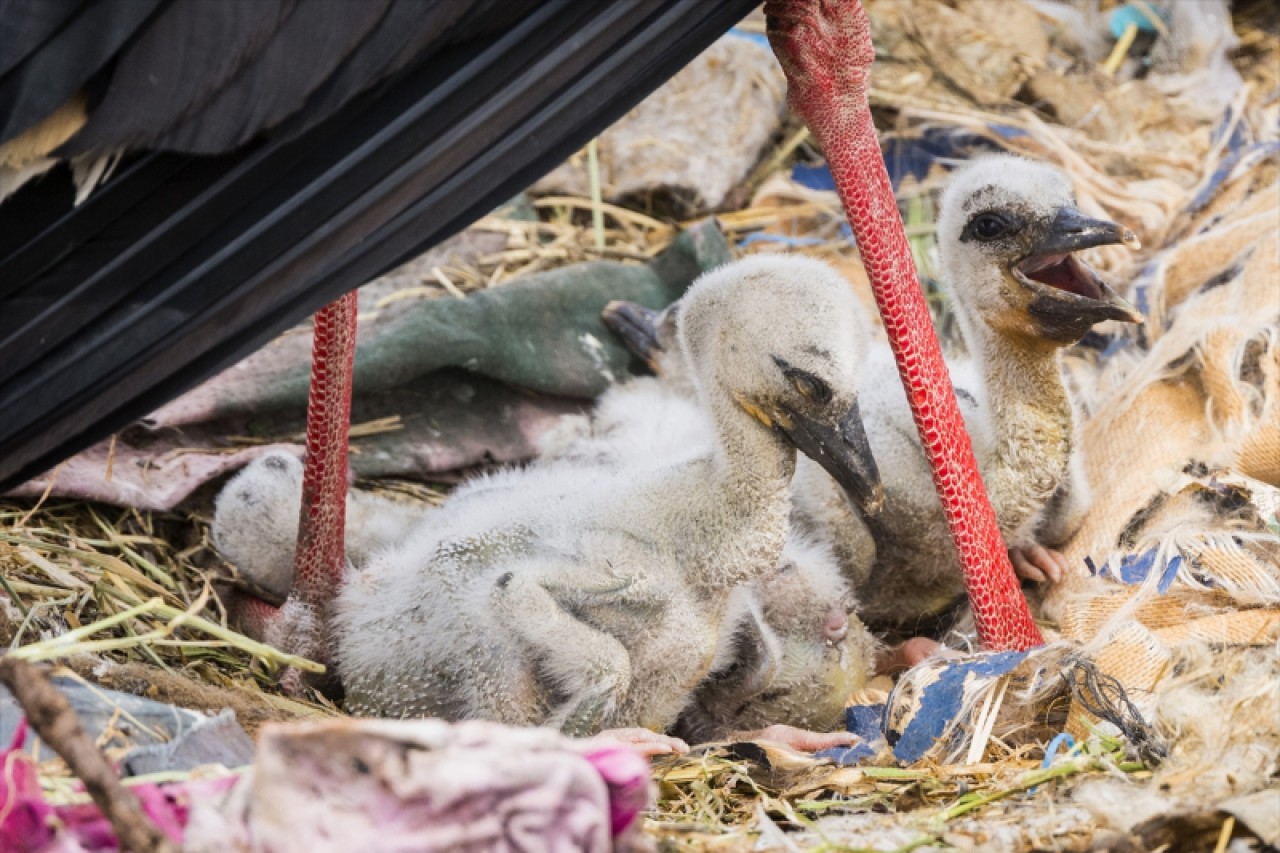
{"points": [[637, 326], [1070, 297], [1072, 231], [843, 451]]}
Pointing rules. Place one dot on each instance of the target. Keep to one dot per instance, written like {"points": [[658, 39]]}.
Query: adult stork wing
{"points": [[305, 147]]}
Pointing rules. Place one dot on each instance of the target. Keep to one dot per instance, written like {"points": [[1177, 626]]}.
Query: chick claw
{"points": [[1038, 563]]}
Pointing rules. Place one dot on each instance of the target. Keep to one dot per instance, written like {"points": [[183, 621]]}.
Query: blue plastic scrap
{"points": [[1135, 568], [758, 38], [940, 703], [1059, 740], [783, 239], [866, 722], [1129, 13], [914, 155], [1051, 751], [1238, 161], [813, 176]]}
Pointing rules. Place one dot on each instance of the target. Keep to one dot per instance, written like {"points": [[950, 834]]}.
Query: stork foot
{"points": [[904, 656], [291, 628]]}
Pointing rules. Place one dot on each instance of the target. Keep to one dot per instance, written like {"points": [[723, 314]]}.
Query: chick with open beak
{"points": [[1009, 232], [1027, 228]]}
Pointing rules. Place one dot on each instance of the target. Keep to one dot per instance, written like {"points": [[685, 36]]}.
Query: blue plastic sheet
{"points": [[941, 702], [1134, 569]]}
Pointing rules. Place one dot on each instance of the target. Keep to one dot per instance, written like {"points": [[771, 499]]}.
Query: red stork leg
{"points": [[300, 626], [825, 49], [319, 559]]}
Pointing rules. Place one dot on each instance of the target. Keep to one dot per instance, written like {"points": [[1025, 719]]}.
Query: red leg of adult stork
{"points": [[318, 562], [299, 627], [825, 49]]}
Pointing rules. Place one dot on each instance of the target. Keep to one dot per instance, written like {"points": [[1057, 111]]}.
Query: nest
{"points": [[1181, 430]]}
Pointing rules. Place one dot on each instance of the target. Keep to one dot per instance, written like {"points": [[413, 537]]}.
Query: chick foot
{"points": [[647, 743], [902, 657], [801, 739], [1038, 563]]}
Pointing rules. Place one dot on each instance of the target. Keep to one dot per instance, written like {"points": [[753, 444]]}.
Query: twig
{"points": [[73, 641], [597, 199], [1224, 837], [51, 716], [1121, 49]]}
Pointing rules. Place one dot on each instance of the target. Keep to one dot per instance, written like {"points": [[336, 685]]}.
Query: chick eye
{"points": [[810, 387], [987, 227], [806, 384]]}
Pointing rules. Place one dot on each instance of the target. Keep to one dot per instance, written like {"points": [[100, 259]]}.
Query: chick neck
{"points": [[743, 497], [1030, 416]]}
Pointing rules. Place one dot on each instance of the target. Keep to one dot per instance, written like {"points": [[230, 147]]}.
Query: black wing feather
{"points": [[180, 265], [67, 61], [26, 24], [174, 66], [301, 54]]}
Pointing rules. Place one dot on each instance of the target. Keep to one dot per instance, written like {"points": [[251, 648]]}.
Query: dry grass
{"points": [[87, 582]]}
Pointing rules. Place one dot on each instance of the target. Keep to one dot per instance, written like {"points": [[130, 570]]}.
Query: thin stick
{"points": [[597, 197], [73, 641], [1224, 837], [986, 721], [1118, 53], [779, 156], [51, 716], [44, 496], [111, 459]]}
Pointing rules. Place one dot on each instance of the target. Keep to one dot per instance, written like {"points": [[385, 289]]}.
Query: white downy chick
{"points": [[1007, 231], [795, 658], [589, 596], [255, 522], [797, 650]]}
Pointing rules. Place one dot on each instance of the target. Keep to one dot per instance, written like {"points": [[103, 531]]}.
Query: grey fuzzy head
{"points": [[783, 338], [1008, 229]]}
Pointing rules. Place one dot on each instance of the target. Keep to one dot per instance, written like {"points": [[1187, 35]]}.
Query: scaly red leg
{"points": [[825, 49], [299, 626], [318, 562]]}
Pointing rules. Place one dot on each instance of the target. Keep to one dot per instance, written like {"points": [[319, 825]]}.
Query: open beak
{"points": [[1070, 297], [637, 326], [844, 452]]}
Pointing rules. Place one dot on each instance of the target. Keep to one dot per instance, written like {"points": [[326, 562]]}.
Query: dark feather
{"points": [[26, 24], [179, 266], [313, 41], [174, 66], [65, 63]]}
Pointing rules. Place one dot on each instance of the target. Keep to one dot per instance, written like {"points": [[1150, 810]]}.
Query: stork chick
{"points": [[1008, 229], [793, 661], [789, 663], [255, 523], [1007, 232], [570, 596]]}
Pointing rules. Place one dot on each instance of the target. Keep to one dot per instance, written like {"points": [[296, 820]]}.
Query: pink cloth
{"points": [[29, 824], [348, 784], [425, 785]]}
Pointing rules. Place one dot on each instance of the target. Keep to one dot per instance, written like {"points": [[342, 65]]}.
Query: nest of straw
{"points": [[126, 598]]}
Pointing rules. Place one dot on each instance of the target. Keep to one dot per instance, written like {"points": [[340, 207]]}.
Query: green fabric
{"points": [[542, 333]]}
